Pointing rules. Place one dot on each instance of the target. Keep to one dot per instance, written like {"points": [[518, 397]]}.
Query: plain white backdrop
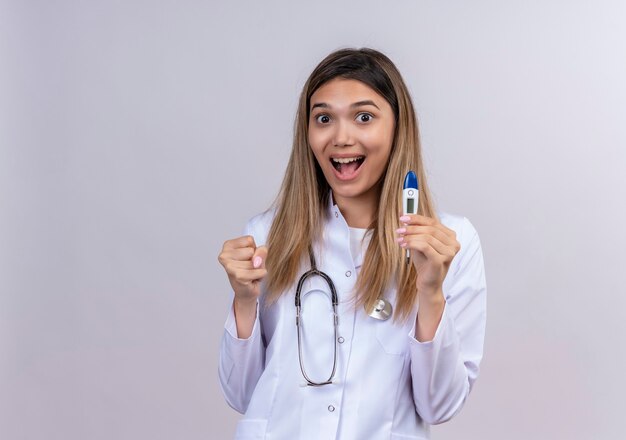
{"points": [[137, 136]]}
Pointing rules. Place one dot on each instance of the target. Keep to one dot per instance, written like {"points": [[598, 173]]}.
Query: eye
{"points": [[364, 117], [322, 119]]}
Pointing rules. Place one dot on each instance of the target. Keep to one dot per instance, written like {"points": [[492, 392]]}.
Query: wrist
{"points": [[245, 315], [244, 303], [434, 297], [431, 297], [429, 316]]}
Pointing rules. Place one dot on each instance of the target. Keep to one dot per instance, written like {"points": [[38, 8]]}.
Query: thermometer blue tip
{"points": [[410, 181]]}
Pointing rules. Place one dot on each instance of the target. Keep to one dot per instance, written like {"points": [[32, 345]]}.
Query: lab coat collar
{"points": [[331, 200], [334, 212], [333, 209]]}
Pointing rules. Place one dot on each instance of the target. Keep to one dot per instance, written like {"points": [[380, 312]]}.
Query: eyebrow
{"points": [[356, 104]]}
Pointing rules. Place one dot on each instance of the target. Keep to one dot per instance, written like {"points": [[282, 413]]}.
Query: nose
{"points": [[342, 136]]}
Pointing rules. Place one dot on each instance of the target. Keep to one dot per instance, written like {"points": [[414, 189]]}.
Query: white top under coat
{"points": [[357, 245], [388, 385]]}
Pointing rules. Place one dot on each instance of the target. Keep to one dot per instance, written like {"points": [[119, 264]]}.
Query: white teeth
{"points": [[346, 159]]}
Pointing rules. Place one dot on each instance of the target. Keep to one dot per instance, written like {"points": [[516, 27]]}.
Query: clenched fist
{"points": [[244, 263]]}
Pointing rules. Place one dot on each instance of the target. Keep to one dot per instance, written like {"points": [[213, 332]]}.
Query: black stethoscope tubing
{"points": [[382, 311], [335, 301]]}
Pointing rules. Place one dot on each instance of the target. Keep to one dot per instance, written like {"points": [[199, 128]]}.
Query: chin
{"points": [[349, 191]]}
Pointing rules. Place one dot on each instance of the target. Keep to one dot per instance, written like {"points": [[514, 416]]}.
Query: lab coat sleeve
{"points": [[241, 361], [443, 370]]}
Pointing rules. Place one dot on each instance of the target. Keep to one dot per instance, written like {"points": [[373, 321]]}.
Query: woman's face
{"points": [[351, 131]]}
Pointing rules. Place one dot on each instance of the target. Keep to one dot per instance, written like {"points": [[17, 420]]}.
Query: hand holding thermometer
{"points": [[410, 200]]}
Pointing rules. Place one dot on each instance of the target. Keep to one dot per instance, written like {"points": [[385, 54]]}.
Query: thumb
{"points": [[259, 257]]}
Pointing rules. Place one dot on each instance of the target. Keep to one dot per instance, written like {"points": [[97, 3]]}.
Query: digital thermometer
{"points": [[410, 199]]}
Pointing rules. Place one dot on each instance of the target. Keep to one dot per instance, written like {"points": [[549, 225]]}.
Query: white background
{"points": [[137, 136]]}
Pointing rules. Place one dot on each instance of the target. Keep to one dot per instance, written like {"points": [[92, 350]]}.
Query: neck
{"points": [[358, 211]]}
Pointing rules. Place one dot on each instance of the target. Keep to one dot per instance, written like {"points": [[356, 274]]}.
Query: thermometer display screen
{"points": [[410, 205]]}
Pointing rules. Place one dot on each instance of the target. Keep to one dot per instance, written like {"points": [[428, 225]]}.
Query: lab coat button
{"points": [[331, 408], [336, 214], [348, 273], [340, 339]]}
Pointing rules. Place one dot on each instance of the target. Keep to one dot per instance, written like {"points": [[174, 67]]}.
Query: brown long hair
{"points": [[301, 205]]}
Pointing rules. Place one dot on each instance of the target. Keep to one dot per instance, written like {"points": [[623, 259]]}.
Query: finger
{"points": [[422, 247], [446, 230], [439, 249], [417, 219], [237, 269], [246, 276], [260, 255], [239, 254], [234, 265], [441, 234], [240, 242], [420, 220], [426, 230]]}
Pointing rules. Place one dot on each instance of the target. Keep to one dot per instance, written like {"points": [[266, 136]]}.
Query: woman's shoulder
{"points": [[458, 223], [466, 233], [259, 226]]}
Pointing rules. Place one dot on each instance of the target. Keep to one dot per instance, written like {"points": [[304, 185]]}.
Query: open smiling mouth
{"points": [[347, 167]]}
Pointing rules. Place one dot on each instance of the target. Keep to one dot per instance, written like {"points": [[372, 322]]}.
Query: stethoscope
{"points": [[382, 310]]}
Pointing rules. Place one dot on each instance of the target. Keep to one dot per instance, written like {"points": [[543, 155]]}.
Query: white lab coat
{"points": [[387, 385]]}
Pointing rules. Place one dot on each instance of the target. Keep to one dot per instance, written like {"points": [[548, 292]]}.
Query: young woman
{"points": [[310, 355]]}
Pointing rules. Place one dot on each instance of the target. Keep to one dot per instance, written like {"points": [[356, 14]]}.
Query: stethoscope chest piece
{"points": [[382, 310]]}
